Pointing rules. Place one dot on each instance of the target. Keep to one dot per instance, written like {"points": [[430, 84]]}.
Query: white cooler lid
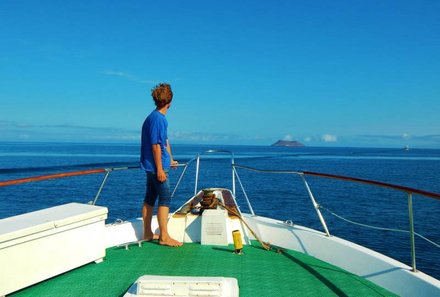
{"points": [[46, 219]]}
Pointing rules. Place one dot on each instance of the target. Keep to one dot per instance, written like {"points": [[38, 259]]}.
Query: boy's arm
{"points": [[157, 155], [173, 162]]}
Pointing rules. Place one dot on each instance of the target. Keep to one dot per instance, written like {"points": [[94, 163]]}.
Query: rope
{"points": [[265, 245], [209, 201], [378, 228]]}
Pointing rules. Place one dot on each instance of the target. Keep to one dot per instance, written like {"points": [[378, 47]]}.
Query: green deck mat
{"points": [[259, 272]]}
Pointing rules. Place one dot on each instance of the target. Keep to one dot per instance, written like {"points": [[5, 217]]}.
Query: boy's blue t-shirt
{"points": [[154, 131]]}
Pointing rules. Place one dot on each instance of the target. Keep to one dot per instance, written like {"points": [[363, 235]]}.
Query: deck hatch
{"points": [[153, 285]]}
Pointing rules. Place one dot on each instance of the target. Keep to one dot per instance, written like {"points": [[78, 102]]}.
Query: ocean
{"points": [[280, 196]]}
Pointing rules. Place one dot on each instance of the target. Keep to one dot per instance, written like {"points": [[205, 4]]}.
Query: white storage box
{"points": [[41, 244]]}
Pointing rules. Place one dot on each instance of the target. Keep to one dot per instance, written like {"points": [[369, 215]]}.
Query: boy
{"points": [[156, 160]]}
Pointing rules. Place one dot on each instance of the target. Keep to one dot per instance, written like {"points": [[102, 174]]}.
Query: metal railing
{"points": [[235, 176], [309, 191], [409, 191], [107, 172]]}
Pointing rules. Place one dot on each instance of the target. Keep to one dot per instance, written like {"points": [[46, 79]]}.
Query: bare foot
{"points": [[170, 242], [150, 237]]}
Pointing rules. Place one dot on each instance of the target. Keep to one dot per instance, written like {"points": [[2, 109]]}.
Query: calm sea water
{"points": [[278, 196]]}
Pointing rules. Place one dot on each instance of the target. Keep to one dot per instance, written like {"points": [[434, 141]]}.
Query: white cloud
{"points": [[115, 73], [406, 136], [12, 124], [288, 137], [13, 131], [128, 76], [214, 138], [198, 136], [329, 138], [432, 138]]}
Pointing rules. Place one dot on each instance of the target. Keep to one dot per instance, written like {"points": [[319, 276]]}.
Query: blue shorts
{"points": [[157, 189]]}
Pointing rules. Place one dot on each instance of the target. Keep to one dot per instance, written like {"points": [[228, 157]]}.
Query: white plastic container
{"points": [[41, 244]]}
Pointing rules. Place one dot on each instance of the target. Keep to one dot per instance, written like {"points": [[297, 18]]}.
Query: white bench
{"points": [[41, 244]]}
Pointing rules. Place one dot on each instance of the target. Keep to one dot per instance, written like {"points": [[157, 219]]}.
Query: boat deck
{"points": [[259, 272]]}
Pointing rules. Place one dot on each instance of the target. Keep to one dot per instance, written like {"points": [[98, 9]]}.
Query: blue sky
{"points": [[326, 73]]}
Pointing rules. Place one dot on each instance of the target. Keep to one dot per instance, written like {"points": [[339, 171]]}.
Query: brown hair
{"points": [[162, 94]]}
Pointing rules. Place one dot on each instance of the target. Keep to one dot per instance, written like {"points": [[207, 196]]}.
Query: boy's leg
{"points": [[147, 216], [164, 192], [148, 207], [165, 238]]}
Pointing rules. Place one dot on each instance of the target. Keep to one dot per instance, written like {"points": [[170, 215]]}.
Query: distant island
{"points": [[289, 143]]}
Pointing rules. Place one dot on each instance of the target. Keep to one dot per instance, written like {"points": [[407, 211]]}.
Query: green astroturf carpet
{"points": [[259, 272]]}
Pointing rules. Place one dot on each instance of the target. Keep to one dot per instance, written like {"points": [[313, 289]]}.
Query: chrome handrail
{"points": [[309, 191], [409, 191], [316, 206], [197, 158], [244, 192]]}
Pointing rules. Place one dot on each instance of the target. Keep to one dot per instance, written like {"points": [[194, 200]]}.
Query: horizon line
{"points": [[207, 144]]}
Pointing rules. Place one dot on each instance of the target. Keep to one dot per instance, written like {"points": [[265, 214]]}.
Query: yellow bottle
{"points": [[238, 245]]}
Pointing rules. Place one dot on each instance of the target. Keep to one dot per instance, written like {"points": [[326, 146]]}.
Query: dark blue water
{"points": [[278, 196]]}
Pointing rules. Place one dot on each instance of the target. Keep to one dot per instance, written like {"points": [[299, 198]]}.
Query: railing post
{"points": [[107, 172], [244, 192], [316, 206], [179, 180], [411, 232], [233, 175], [197, 175]]}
